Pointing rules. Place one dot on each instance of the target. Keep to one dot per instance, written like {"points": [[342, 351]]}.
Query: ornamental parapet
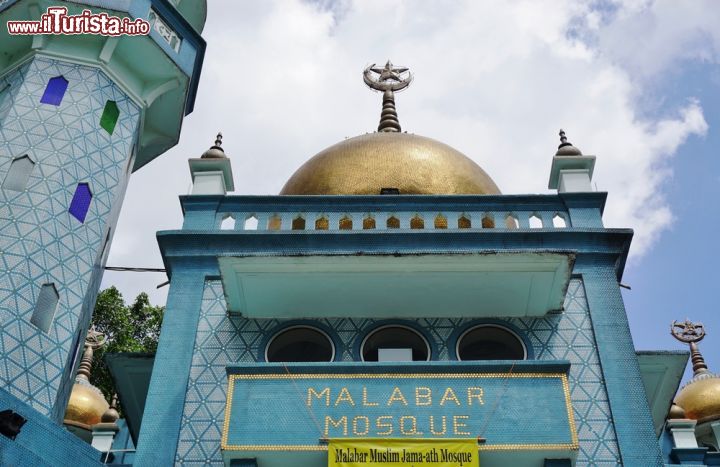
{"points": [[392, 212]]}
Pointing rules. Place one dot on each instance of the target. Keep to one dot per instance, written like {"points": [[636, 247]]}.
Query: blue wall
{"points": [[41, 242], [41, 442], [221, 340]]}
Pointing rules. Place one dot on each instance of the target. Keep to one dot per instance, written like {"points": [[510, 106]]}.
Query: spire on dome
{"points": [[566, 148], [93, 340], [691, 333], [216, 151], [389, 79]]}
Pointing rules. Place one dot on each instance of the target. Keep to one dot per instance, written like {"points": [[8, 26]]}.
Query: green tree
{"points": [[134, 328]]}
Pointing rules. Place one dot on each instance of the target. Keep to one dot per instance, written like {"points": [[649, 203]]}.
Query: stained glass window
{"points": [[55, 91], [81, 202], [109, 117]]}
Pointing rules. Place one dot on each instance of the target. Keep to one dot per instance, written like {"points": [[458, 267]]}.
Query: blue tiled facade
{"points": [[40, 240], [202, 338], [41, 443], [223, 339]]}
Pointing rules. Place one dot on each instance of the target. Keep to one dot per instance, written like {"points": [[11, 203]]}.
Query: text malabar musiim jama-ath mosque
{"points": [[390, 307]]}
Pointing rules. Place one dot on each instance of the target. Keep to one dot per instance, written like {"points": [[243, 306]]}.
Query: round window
{"points": [[394, 343], [488, 342], [300, 344]]}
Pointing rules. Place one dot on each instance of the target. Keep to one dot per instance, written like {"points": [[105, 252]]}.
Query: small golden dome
{"points": [[216, 151], [676, 412], [413, 164], [700, 398], [86, 405]]}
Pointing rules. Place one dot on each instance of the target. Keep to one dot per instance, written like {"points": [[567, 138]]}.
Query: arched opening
{"points": [[321, 223], [440, 222], [345, 223], [251, 223], [274, 222], [511, 222], [368, 222], [393, 222], [488, 222], [300, 344], [228, 223], [464, 222], [559, 221], [417, 222], [394, 343], [490, 342], [535, 221], [298, 223]]}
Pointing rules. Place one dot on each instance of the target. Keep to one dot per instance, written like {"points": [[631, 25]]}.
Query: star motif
{"points": [[687, 331], [94, 338], [389, 72]]}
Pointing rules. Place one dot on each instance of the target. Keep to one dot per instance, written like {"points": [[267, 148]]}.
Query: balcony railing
{"points": [[386, 213]]}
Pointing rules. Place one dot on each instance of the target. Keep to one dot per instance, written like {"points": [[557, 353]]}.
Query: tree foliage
{"points": [[133, 328]]}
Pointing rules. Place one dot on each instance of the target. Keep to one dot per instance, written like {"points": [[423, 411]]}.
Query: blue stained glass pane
{"points": [[81, 202], [55, 91]]}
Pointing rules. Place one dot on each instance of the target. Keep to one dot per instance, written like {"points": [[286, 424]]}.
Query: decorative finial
{"points": [[691, 333], [566, 148], [563, 139], [216, 151], [93, 340], [111, 415], [389, 80]]}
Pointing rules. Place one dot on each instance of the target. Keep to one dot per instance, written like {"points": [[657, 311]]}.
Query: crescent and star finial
{"points": [[94, 338], [388, 80], [691, 333], [687, 331]]}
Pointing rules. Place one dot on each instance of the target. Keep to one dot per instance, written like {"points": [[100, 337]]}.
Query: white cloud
{"points": [[650, 37], [494, 79]]}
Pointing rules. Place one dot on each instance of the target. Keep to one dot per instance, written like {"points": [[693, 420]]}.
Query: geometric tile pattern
{"points": [[40, 241], [222, 339]]}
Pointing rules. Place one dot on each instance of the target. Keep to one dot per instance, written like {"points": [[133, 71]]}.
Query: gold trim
{"points": [[574, 445], [494, 447], [228, 406], [394, 375], [534, 447], [570, 411]]}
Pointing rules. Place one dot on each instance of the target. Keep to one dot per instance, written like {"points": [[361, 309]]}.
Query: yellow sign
{"points": [[384, 452]]}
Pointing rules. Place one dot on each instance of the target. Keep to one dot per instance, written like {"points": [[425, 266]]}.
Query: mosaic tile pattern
{"points": [[223, 339], [40, 241]]}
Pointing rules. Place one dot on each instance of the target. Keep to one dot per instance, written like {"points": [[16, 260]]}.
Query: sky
{"points": [[636, 83]]}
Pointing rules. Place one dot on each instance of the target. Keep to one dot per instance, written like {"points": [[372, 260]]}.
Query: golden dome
{"points": [[676, 412], [700, 398], [413, 164], [86, 405]]}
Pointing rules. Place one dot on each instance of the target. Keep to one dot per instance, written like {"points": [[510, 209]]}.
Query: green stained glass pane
{"points": [[109, 116]]}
